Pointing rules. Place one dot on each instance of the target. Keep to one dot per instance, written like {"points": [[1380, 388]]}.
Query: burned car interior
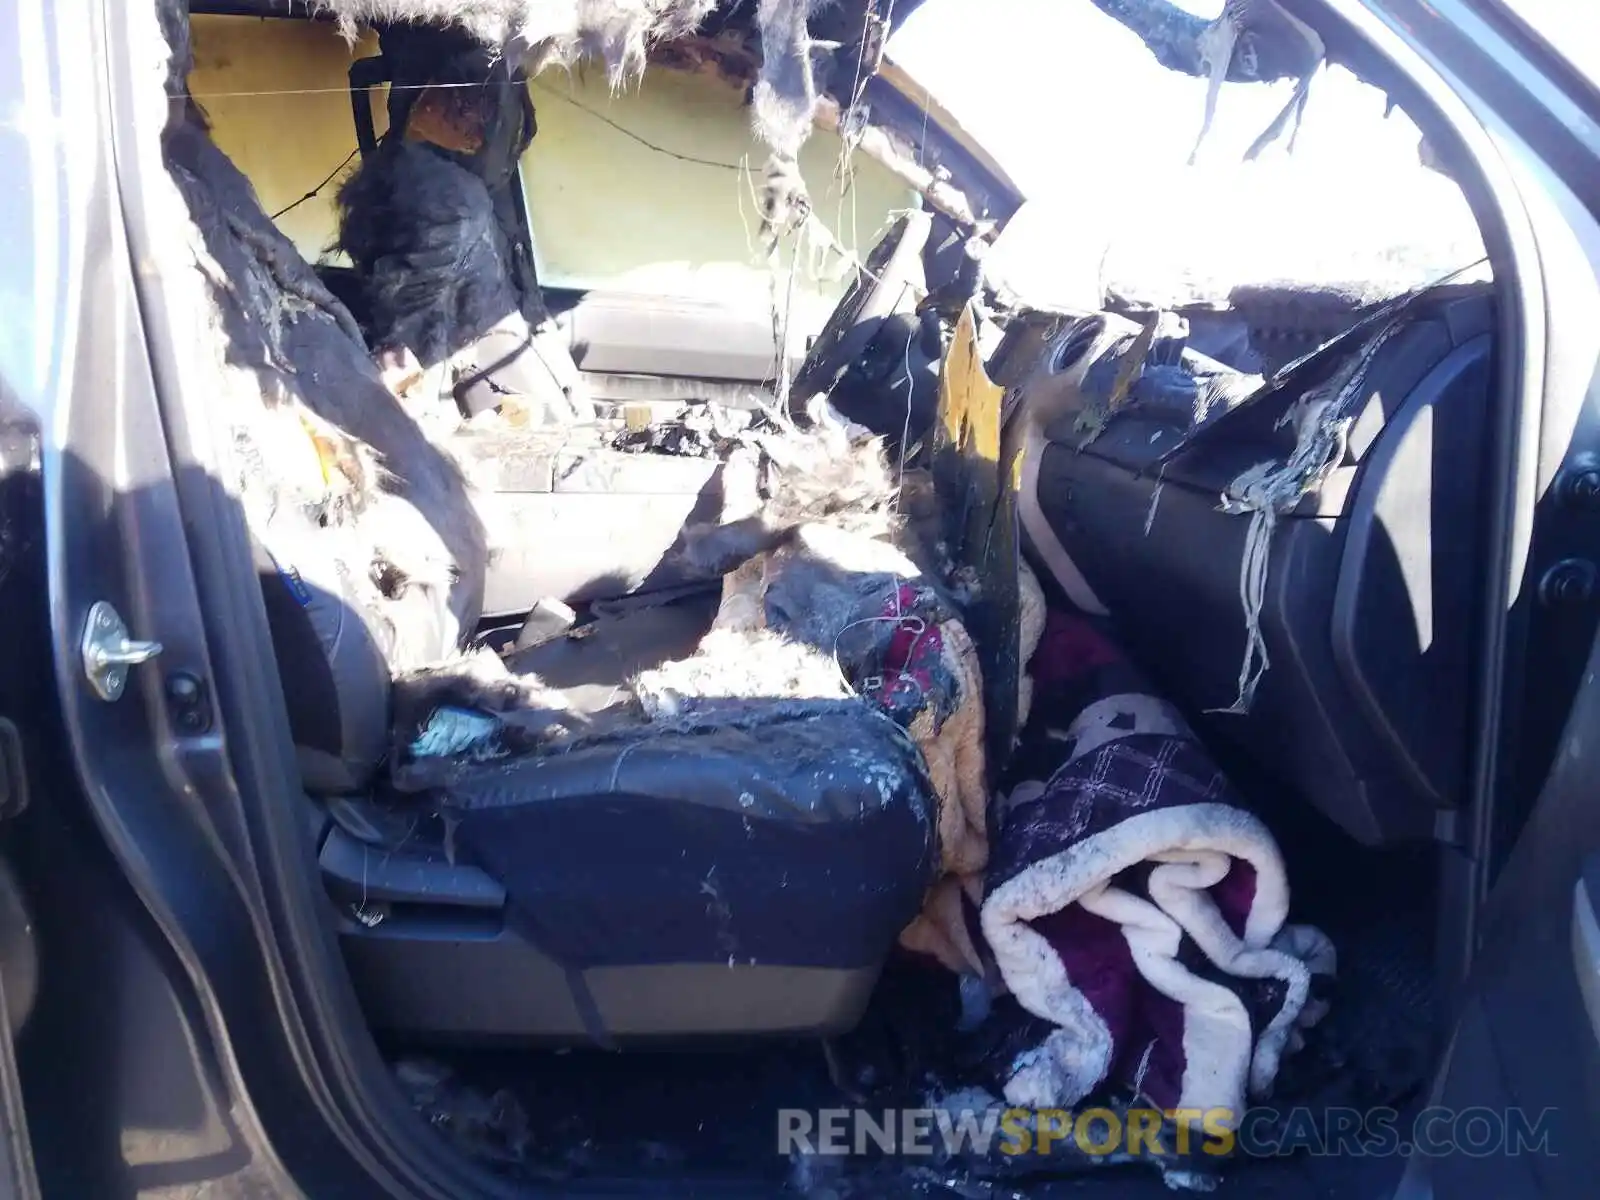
{"points": [[964, 698]]}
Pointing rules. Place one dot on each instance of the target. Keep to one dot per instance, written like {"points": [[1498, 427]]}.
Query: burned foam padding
{"points": [[816, 594], [451, 91], [620, 33], [472, 103], [318, 435], [781, 475], [895, 636], [1135, 903], [783, 105], [421, 232], [806, 548], [437, 274]]}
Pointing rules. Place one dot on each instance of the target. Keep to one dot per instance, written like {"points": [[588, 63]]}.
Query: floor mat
{"points": [[592, 1115], [713, 1115]]}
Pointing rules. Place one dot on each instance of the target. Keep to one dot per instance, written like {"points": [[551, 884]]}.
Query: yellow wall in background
{"points": [[607, 210], [610, 211], [285, 144]]}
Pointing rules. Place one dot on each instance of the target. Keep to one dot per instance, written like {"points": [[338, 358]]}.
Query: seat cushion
{"points": [[651, 881], [776, 831], [803, 841]]}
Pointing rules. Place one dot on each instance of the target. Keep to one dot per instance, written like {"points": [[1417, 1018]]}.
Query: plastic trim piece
{"points": [[1357, 562], [400, 877]]}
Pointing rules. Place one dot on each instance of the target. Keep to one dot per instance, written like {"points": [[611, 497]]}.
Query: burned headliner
{"points": [[802, 61], [758, 46]]}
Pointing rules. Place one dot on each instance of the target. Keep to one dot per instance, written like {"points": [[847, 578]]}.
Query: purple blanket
{"points": [[1135, 903]]}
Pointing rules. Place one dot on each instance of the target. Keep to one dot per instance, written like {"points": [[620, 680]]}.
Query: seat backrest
{"points": [[332, 665], [292, 376]]}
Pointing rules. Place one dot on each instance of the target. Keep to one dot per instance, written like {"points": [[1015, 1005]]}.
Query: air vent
{"points": [[1074, 343]]}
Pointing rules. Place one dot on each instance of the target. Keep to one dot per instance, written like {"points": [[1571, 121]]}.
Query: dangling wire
{"points": [[312, 194]]}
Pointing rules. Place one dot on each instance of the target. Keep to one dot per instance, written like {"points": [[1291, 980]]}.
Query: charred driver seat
{"points": [[673, 882], [663, 881]]}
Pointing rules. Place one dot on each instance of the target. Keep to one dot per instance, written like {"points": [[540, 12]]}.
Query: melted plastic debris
{"points": [[704, 429], [451, 731], [487, 1127]]}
